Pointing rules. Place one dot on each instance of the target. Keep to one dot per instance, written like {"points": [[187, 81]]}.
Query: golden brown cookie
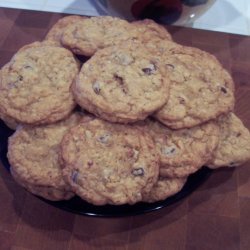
{"points": [[182, 152], [160, 47], [10, 122], [200, 90], [33, 153], [86, 36], [46, 192], [35, 86], [57, 29], [234, 143], [147, 30], [164, 188], [109, 163], [122, 83], [38, 44]]}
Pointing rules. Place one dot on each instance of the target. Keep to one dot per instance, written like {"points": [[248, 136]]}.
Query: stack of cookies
{"points": [[128, 124]]}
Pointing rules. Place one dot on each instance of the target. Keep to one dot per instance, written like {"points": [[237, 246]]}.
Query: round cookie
{"points": [[36, 84], [46, 192], [109, 163], [55, 33], [38, 44], [122, 83], [86, 36], [234, 143], [147, 30], [33, 153], [164, 188], [10, 122], [160, 47], [200, 90], [182, 152]]}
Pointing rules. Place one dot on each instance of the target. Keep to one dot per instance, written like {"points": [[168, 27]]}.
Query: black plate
{"points": [[78, 206]]}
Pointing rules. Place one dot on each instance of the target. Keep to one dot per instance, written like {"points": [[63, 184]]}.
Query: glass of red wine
{"points": [[161, 11]]}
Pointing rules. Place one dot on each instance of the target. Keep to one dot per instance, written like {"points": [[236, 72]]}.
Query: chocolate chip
{"points": [[150, 69], [238, 134], [27, 67], [233, 164], [181, 100], [96, 87], [125, 91], [74, 176], [169, 151], [104, 138], [119, 79], [90, 163], [172, 150], [171, 66], [138, 172], [20, 78], [224, 90]]}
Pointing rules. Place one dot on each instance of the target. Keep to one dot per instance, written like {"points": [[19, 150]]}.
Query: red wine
{"points": [[162, 11]]}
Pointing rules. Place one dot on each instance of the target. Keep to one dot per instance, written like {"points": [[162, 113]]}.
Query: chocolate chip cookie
{"points": [[200, 90], [10, 122], [182, 152], [56, 31], [234, 143], [122, 83], [160, 47], [86, 36], [109, 163], [164, 188], [35, 86], [33, 153], [147, 30]]}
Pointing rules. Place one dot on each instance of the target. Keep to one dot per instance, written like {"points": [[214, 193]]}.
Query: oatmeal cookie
{"points": [[234, 143], [86, 36], [147, 29], [164, 188], [184, 151], [33, 153], [55, 33], [38, 44], [122, 83], [200, 90], [160, 47], [46, 192], [9, 122], [35, 86], [109, 163]]}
